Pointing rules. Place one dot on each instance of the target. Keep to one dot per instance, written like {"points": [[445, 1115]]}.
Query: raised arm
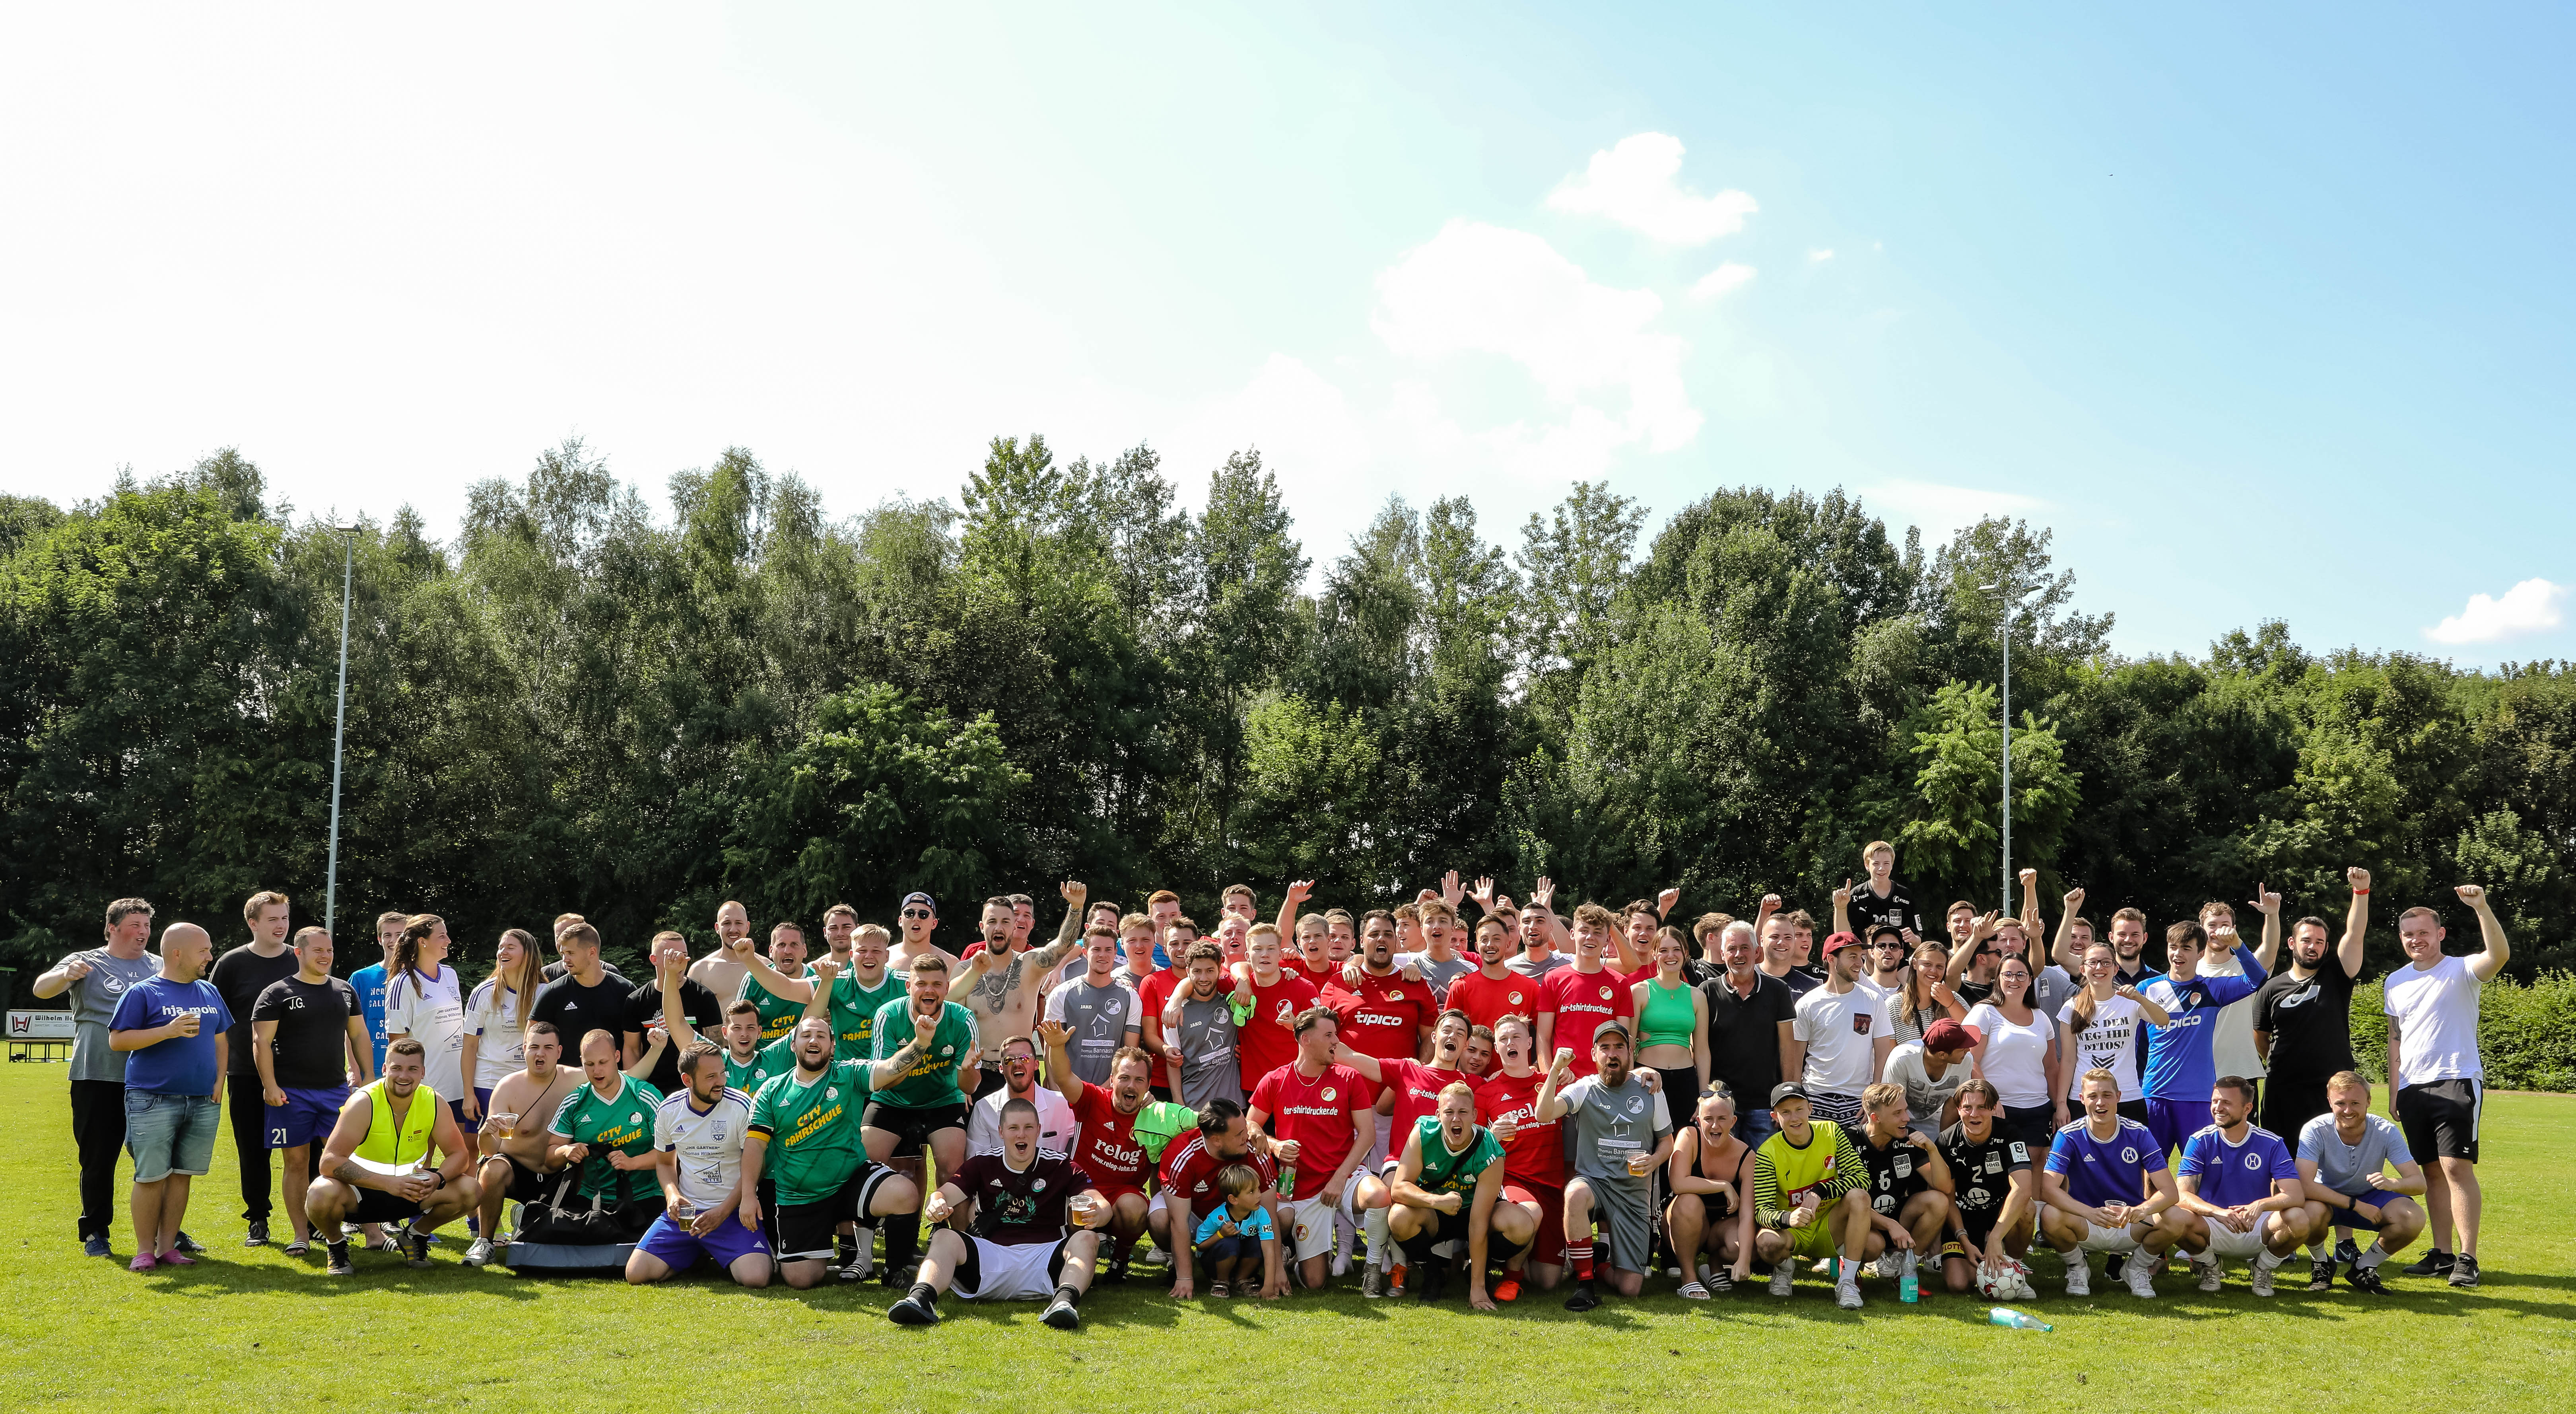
{"points": [[1299, 890], [1068, 933], [2030, 926], [2065, 929], [1367, 1065], [2484, 965], [2268, 904], [1842, 907], [884, 1074], [58, 979], [1059, 1062], [794, 989], [1966, 951], [2356, 922]]}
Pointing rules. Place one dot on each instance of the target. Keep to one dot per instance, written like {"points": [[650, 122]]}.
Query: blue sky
{"points": [[2267, 315]]}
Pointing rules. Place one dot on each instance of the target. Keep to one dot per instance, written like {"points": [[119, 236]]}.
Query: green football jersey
{"points": [[810, 1131], [777, 1014], [932, 1081], [854, 1013], [776, 1058], [622, 1122], [1446, 1172]]}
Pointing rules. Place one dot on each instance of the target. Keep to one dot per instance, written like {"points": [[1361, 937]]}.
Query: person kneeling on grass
{"points": [[374, 1167], [1036, 1230], [1238, 1232], [2105, 1188], [698, 1135], [1810, 1196], [1448, 1185], [2344, 1159]]}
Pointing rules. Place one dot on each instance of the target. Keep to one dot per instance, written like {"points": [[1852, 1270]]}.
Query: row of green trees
{"points": [[574, 704]]}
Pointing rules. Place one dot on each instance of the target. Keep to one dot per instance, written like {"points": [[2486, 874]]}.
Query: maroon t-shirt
{"points": [[1021, 1207]]}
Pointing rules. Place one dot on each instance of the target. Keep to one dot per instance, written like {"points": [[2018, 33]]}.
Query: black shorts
{"points": [[2441, 1119], [375, 1205], [2288, 1105], [806, 1230], [912, 1125], [527, 1185]]}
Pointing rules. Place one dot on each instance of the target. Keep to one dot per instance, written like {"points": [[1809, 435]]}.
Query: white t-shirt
{"points": [[709, 1145], [1057, 1128], [2111, 1043], [433, 1014], [499, 1046], [1840, 1033], [2436, 1011], [1925, 1097], [2016, 1059]]}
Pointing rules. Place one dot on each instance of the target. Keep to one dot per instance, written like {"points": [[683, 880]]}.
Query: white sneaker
{"points": [[1824, 1267], [2260, 1279], [1891, 1265], [1154, 1256], [2142, 1280], [2079, 1275], [1780, 1280], [1847, 1292], [479, 1253], [2213, 1274]]}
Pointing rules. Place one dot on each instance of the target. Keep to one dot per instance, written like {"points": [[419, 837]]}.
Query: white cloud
{"points": [[1821, 256], [2528, 607], [1941, 510], [1722, 279], [1475, 288], [1632, 184]]}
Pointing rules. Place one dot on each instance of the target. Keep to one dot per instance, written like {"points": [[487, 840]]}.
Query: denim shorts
{"points": [[170, 1134]]}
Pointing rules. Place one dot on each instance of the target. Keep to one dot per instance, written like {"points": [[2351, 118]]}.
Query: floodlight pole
{"points": [[339, 726]]}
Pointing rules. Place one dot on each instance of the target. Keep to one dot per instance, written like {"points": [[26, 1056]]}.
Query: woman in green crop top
{"points": [[1672, 1027]]}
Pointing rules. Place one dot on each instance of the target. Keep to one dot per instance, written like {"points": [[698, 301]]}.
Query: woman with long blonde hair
{"points": [[496, 1019]]}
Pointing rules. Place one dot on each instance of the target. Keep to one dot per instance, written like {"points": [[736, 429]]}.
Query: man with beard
{"points": [[920, 1106], [698, 1137], [2303, 1028], [721, 970], [858, 989], [513, 1137], [1106, 1146], [1448, 1185], [1384, 1013], [1003, 985], [375, 1166], [1494, 990], [2240, 1190], [2129, 949], [779, 1012], [1188, 1178], [805, 1137], [1614, 1121]]}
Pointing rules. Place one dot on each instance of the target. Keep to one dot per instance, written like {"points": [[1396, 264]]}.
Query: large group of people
{"points": [[1530, 1101]]}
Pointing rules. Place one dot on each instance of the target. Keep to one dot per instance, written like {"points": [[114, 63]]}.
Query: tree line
{"points": [[573, 703]]}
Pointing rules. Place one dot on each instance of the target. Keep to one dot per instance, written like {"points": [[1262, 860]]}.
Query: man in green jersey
{"points": [[779, 1011], [860, 990], [750, 1057], [922, 1106], [806, 1139], [606, 1126], [1810, 1197], [1448, 1185]]}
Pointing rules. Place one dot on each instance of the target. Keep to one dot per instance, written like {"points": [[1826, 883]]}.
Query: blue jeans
{"points": [[170, 1134], [1754, 1126]]}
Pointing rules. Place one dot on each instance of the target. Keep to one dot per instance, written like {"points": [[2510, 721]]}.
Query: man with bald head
{"points": [[171, 1027], [720, 971]]}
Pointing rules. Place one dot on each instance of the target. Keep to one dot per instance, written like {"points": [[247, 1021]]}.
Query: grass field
{"points": [[255, 1327]]}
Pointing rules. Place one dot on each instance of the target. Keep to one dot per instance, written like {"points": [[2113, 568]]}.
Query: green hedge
{"points": [[2527, 1034]]}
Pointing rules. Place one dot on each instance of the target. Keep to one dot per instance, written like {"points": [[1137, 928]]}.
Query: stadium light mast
{"points": [[2012, 606], [339, 725]]}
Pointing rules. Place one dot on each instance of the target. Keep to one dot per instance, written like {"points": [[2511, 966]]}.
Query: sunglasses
{"points": [[919, 913]]}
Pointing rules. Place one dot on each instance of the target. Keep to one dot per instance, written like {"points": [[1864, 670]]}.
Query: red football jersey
{"points": [[1417, 1090], [1581, 1001], [1190, 1170], [1108, 1149], [1317, 1115], [1268, 1039], [1384, 1016], [1487, 1001], [1536, 1153]]}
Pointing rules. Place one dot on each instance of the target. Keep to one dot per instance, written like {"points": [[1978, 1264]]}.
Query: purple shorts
{"points": [[2173, 1121], [674, 1246], [308, 1114]]}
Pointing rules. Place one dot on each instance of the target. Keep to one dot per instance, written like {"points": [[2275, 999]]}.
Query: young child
{"points": [[1230, 1235]]}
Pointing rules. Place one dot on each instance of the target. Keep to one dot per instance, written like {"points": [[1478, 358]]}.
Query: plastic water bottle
{"points": [[2006, 1316], [1287, 1178], [1908, 1288]]}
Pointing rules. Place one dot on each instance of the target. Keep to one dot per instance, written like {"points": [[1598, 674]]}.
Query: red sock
{"points": [[1581, 1256]]}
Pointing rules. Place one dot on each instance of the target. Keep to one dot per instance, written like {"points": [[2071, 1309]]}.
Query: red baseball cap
{"points": [[1948, 1035], [1840, 941]]}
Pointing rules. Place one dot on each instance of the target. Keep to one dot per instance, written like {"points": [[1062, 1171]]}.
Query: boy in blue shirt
{"points": [[2241, 1189], [172, 1027]]}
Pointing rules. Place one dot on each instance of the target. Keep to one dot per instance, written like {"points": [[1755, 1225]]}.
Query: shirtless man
{"points": [[919, 917], [1003, 987], [720, 971], [512, 1141]]}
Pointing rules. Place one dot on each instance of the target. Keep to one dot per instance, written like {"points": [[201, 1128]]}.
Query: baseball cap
{"points": [[1789, 1090], [1838, 942], [1887, 930], [920, 898], [1948, 1035]]}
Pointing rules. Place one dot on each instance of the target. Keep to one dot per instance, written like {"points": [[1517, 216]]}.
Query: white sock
{"points": [[1373, 1227], [2266, 1260], [1847, 1270], [2376, 1254]]}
